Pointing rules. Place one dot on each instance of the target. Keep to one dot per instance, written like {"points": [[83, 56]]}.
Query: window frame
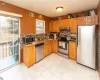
{"points": [[41, 27]]}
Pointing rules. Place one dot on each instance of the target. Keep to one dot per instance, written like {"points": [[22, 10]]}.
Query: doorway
{"points": [[9, 41]]}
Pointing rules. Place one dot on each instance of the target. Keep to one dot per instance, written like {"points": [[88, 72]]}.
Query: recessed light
{"points": [[59, 9]]}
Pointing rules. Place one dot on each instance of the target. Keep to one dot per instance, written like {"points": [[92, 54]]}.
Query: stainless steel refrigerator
{"points": [[86, 46]]}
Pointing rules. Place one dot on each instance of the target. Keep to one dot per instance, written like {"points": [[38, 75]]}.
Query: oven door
{"points": [[63, 45]]}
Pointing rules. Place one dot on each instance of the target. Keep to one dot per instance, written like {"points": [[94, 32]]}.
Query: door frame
{"points": [[19, 40]]}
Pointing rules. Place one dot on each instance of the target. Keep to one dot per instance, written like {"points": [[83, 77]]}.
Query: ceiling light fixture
{"points": [[59, 9]]}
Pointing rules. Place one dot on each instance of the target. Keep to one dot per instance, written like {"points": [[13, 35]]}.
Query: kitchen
{"points": [[59, 42]]}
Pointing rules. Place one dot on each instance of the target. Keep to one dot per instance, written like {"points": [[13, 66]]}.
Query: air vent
{"points": [[31, 14]]}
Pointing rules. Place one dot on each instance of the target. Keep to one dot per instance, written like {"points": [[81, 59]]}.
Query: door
{"points": [[86, 46], [9, 41]]}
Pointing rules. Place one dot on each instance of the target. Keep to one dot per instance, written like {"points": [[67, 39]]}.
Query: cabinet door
{"points": [[81, 21], [72, 50], [50, 26], [29, 55], [73, 25], [55, 46], [46, 48], [50, 46], [91, 20], [26, 56], [31, 51], [56, 26], [64, 23]]}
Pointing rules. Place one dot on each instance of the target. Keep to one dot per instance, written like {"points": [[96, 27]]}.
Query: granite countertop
{"points": [[73, 40], [37, 42]]}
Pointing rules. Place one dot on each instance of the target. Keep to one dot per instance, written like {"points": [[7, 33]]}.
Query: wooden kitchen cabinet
{"points": [[55, 46], [54, 26], [88, 20], [51, 26], [47, 47], [72, 50], [64, 23], [46, 50], [81, 21], [73, 25], [50, 46], [29, 55], [92, 20]]}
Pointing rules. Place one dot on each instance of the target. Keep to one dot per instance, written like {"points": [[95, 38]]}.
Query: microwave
{"points": [[28, 39]]}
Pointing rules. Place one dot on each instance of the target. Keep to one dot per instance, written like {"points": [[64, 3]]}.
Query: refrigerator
{"points": [[86, 46]]}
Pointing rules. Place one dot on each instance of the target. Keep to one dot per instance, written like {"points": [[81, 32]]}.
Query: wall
{"points": [[98, 50], [27, 22]]}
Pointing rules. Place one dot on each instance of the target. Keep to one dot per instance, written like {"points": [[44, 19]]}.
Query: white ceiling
{"points": [[48, 7]]}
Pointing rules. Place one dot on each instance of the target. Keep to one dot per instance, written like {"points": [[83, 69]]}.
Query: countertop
{"points": [[42, 41], [73, 40], [38, 42]]}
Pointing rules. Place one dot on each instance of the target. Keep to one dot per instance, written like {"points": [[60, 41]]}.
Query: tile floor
{"points": [[52, 67]]}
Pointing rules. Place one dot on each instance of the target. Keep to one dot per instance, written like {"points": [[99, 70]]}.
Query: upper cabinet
{"points": [[72, 23], [89, 20], [64, 23], [54, 26]]}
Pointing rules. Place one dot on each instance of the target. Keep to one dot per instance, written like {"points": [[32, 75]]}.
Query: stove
{"points": [[63, 45]]}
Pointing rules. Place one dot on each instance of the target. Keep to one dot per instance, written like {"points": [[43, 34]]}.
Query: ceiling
{"points": [[48, 7]]}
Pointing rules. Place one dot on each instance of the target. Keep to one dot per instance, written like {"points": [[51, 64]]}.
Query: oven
{"points": [[63, 47]]}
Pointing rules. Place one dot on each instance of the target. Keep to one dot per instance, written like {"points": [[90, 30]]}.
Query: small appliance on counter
{"points": [[53, 35], [28, 39]]}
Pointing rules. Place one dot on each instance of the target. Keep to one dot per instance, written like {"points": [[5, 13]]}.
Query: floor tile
{"points": [[52, 67]]}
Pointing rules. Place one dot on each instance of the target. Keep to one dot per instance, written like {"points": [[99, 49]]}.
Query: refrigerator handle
{"points": [[77, 36]]}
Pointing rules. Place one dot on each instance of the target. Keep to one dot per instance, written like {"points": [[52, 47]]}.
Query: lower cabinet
{"points": [[47, 47], [29, 55], [72, 50], [55, 46], [50, 46]]}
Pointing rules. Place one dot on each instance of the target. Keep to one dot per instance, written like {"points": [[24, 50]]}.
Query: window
{"points": [[40, 26]]}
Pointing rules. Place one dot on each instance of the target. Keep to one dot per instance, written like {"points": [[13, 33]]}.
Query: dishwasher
{"points": [[39, 51]]}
